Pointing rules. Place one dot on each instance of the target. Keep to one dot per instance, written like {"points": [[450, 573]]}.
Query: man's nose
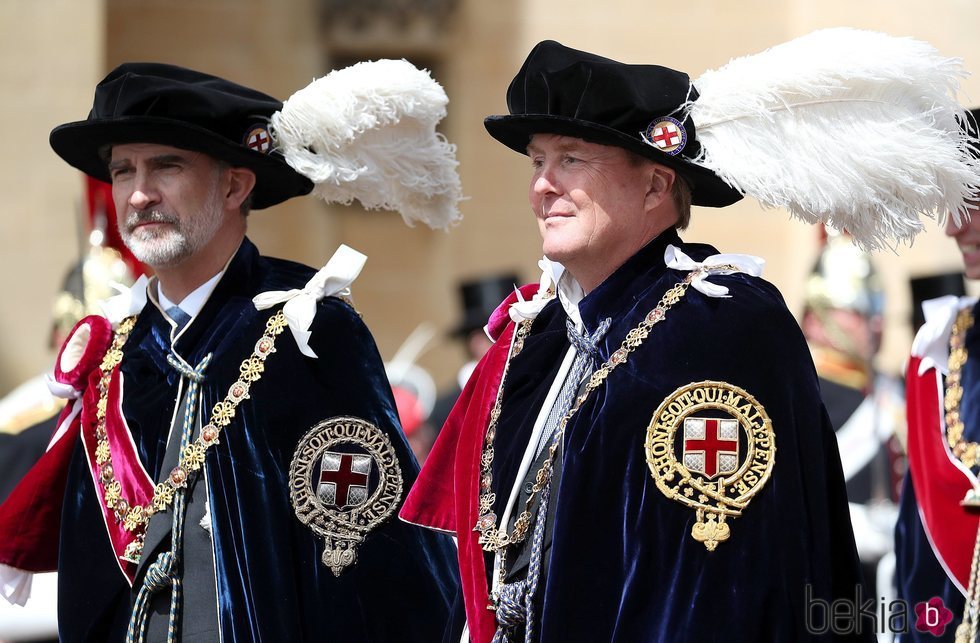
{"points": [[545, 182], [144, 194]]}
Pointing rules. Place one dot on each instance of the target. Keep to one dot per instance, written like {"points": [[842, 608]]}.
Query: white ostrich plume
{"points": [[855, 129], [367, 132]]}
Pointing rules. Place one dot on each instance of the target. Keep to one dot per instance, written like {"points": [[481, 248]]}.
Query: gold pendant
{"points": [[134, 551], [709, 531]]}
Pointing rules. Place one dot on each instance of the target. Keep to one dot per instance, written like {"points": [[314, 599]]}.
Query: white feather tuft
{"points": [[856, 129], [367, 132]]}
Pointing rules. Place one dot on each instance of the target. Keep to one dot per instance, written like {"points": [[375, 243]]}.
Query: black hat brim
{"points": [[82, 143], [515, 131]]}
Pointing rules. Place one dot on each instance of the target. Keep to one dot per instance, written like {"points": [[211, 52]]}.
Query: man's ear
{"points": [[241, 180], [660, 185]]}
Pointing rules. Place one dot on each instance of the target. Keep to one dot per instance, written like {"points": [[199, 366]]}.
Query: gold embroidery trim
{"points": [[135, 517]]}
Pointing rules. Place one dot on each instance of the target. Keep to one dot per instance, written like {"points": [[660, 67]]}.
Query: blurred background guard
{"points": [[479, 298], [29, 414], [414, 390], [842, 322]]}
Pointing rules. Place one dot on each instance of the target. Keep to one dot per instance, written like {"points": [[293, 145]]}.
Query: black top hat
{"points": [[560, 90], [480, 297], [926, 287], [169, 105]]}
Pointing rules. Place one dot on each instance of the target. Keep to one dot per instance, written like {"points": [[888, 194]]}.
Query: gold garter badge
{"points": [[710, 446], [344, 481]]}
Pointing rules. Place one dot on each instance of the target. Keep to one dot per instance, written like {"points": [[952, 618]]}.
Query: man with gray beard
{"points": [[170, 245], [218, 478]]}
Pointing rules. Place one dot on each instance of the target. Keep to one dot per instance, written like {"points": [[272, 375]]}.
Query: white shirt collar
{"points": [[195, 300]]}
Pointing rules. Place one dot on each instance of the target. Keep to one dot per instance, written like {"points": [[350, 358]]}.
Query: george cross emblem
{"points": [[667, 134], [258, 140], [344, 479], [711, 445]]}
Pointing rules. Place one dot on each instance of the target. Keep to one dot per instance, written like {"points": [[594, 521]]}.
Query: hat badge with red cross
{"points": [[258, 139], [666, 134]]}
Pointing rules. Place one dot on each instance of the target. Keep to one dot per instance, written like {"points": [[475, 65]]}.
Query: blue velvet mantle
{"points": [[271, 584], [624, 567]]}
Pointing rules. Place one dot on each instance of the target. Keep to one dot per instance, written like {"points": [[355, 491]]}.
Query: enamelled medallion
{"points": [[344, 481], [711, 446]]}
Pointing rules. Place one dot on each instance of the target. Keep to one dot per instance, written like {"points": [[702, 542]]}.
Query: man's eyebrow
{"points": [[168, 158], [118, 165], [565, 146], [161, 159]]}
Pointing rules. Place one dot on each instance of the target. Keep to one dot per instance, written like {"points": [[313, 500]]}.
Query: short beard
{"points": [[179, 240]]}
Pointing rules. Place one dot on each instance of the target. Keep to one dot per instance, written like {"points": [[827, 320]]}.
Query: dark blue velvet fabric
{"points": [[624, 567], [271, 583], [918, 573]]}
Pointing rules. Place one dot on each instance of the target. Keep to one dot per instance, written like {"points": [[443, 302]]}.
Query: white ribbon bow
{"points": [[128, 302], [931, 342], [551, 272], [333, 279], [721, 264]]}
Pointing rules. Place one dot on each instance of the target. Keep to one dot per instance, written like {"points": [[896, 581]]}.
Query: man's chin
{"points": [[158, 254], [560, 252]]}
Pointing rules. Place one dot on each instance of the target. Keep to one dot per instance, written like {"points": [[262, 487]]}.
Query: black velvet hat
{"points": [[170, 105], [560, 90]]}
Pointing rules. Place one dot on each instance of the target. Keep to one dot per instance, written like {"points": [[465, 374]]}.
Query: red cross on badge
{"points": [[344, 479], [258, 140], [667, 134], [711, 445]]}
